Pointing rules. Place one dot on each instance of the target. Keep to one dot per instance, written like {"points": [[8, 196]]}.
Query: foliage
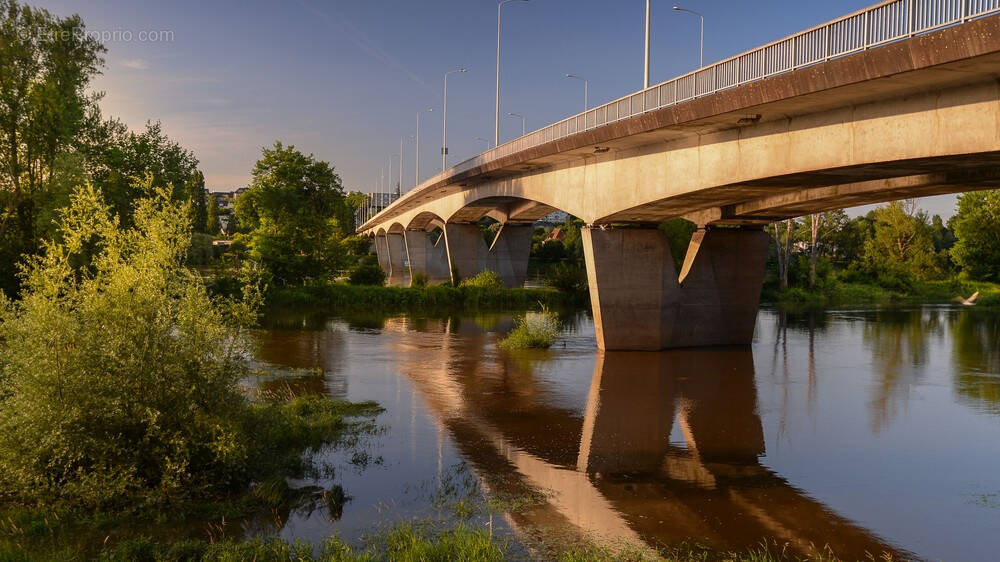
{"points": [[977, 229], [436, 297], [358, 245], [119, 375], [294, 212], [367, 272], [117, 158], [418, 280], [903, 243], [536, 330], [485, 279], [212, 225], [566, 277], [679, 232], [47, 65]]}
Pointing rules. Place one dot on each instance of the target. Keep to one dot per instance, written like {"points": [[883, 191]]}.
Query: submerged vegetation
{"points": [[535, 330]]}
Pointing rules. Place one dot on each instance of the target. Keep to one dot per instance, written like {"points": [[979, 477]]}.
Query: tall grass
{"points": [[536, 330]]}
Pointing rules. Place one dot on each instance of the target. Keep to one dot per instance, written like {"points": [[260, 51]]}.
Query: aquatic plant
{"points": [[535, 330]]}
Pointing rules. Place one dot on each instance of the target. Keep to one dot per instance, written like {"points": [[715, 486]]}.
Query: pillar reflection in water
{"points": [[711, 488], [615, 475]]}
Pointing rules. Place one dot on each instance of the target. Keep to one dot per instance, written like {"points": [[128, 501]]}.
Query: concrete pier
{"points": [[641, 304], [382, 251], [507, 255], [426, 257], [397, 251]]}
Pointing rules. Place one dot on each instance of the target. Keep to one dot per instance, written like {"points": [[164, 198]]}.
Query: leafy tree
{"points": [[291, 214], [195, 187], [118, 381], [117, 158], [212, 225], [46, 64], [903, 242], [783, 236], [977, 227], [819, 228]]}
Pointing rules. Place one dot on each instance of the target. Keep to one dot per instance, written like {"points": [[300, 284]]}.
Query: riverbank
{"points": [[342, 296], [839, 293], [287, 431]]}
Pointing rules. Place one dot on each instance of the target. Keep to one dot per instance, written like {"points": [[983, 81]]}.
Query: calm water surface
{"points": [[868, 431]]}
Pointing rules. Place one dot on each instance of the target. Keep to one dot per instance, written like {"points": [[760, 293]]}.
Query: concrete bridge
{"points": [[896, 101]]}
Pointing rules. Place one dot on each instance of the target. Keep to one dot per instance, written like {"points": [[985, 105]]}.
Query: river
{"points": [[860, 431]]}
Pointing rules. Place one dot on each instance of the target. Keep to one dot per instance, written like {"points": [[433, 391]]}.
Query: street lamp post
{"points": [[645, 79], [586, 88], [444, 142], [416, 172], [496, 128], [701, 50], [487, 141], [522, 120]]}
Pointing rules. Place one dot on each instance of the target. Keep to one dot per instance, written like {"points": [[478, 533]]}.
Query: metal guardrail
{"points": [[882, 23]]}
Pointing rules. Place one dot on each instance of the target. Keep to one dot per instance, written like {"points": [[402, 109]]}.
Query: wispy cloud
{"points": [[136, 64]]}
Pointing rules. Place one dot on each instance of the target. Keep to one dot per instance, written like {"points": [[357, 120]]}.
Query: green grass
{"points": [[534, 331], [404, 299], [839, 293]]}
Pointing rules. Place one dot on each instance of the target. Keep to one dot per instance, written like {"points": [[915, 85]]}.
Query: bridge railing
{"points": [[882, 23]]}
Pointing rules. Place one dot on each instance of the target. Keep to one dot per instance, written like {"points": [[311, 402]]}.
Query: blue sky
{"points": [[344, 80]]}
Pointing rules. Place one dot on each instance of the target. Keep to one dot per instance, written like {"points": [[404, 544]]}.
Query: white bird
{"points": [[971, 301]]}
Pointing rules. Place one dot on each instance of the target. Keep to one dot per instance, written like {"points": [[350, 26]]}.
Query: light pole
{"points": [[522, 120], [416, 173], [444, 141], [487, 141], [645, 75], [701, 50], [496, 128], [586, 88]]}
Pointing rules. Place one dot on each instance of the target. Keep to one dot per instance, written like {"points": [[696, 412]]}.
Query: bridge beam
{"points": [[427, 258], [640, 304], [382, 251], [397, 249], [507, 256]]}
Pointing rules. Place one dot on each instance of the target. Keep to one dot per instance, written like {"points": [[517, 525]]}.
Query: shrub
{"points": [[418, 280], [118, 377], [566, 277], [358, 245], [367, 273], [485, 279], [536, 330]]}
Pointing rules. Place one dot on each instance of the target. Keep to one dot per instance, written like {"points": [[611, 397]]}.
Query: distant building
{"points": [[553, 219], [226, 199]]}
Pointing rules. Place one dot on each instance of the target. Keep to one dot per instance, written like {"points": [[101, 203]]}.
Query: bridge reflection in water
{"points": [[616, 474]]}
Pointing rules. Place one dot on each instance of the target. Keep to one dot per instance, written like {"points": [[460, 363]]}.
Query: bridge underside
{"points": [[915, 118]]}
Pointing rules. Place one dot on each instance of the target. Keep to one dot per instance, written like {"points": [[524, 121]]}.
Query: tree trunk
{"points": [[787, 252], [814, 223]]}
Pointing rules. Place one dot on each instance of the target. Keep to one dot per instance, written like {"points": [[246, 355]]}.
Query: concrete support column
{"points": [[382, 251], [397, 249], [466, 250], [510, 252], [507, 256], [640, 304], [427, 258]]}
